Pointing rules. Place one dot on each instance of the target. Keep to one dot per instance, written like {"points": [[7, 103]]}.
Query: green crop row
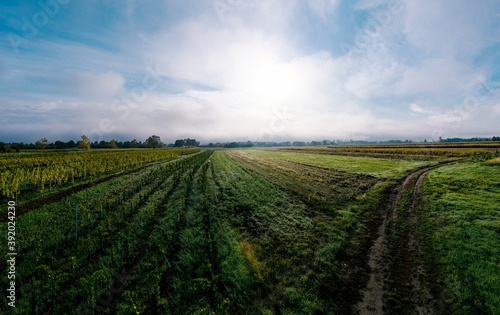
{"points": [[450, 152], [95, 228], [22, 172]]}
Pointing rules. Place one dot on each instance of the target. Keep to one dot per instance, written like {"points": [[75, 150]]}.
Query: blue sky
{"points": [[226, 70]]}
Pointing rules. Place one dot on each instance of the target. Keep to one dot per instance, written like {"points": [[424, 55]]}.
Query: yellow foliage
{"points": [[249, 253]]}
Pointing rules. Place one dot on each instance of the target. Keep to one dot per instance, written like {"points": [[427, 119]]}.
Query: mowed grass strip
{"points": [[462, 227], [379, 168]]}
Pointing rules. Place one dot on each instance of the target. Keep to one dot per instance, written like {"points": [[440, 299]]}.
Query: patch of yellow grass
{"points": [[495, 161], [249, 253]]}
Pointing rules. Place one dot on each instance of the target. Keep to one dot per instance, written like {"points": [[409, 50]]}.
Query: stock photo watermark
{"points": [[31, 27], [106, 297], [277, 124], [377, 21], [454, 119], [123, 105], [11, 252], [222, 7]]}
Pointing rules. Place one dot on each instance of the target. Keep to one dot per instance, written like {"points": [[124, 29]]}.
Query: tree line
{"points": [[152, 142]]}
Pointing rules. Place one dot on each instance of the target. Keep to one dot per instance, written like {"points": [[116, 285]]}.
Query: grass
{"points": [[319, 266], [462, 227], [494, 161], [379, 168]]}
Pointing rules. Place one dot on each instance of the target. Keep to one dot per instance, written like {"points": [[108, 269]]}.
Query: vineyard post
{"points": [[175, 222], [185, 201], [76, 222], [210, 221]]}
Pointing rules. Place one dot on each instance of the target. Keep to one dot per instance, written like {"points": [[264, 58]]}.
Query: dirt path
{"points": [[373, 295], [424, 301]]}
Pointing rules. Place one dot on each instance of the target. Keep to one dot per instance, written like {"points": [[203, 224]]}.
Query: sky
{"points": [[259, 70]]}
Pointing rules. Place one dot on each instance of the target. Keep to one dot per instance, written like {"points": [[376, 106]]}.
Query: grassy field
{"points": [[247, 231], [379, 168], [462, 225]]}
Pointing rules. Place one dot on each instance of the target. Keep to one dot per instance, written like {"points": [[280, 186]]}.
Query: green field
{"points": [[379, 168], [243, 232], [463, 223]]}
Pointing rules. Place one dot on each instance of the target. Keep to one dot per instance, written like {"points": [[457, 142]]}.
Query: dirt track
{"points": [[373, 296]]}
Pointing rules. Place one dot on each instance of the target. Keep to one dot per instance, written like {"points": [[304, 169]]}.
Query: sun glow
{"points": [[273, 82]]}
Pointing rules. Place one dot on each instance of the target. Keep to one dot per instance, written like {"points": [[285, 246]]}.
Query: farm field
{"points": [[420, 151], [251, 231], [462, 223], [380, 168]]}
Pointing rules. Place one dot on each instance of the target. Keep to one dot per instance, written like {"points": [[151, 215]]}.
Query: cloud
{"points": [[95, 86], [448, 28], [323, 8], [369, 4], [419, 110], [235, 77]]}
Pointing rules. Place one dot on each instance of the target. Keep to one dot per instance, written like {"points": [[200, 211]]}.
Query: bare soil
{"points": [[411, 253]]}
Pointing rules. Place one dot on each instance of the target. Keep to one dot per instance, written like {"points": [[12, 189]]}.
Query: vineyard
{"points": [[226, 232], [18, 173]]}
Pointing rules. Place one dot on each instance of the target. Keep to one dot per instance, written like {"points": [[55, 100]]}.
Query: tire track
{"points": [[373, 295]]}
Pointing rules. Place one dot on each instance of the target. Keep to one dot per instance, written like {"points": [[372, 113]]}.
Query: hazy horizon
{"points": [[228, 70]]}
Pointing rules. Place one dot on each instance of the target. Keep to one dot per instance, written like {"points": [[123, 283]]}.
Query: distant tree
{"points": [[84, 144], [112, 144], [71, 144], [60, 145], [232, 145], [15, 147], [153, 142], [42, 143], [134, 144], [5, 148], [191, 143], [425, 140], [179, 143]]}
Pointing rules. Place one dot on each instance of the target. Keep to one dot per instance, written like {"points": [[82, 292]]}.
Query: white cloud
{"points": [[437, 77], [369, 4], [95, 86], [419, 110], [447, 28], [228, 79], [323, 8]]}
